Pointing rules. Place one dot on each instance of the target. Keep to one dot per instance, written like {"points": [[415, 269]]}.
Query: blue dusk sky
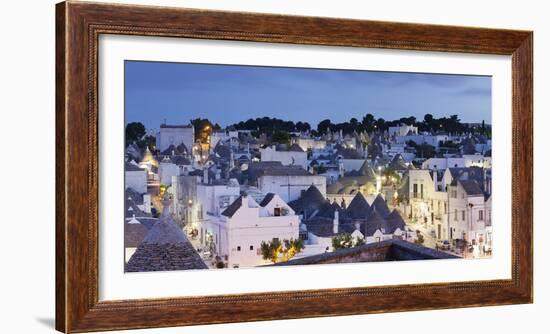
{"points": [[226, 94]]}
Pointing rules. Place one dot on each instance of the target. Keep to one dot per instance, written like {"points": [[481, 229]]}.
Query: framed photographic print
{"points": [[222, 166]]}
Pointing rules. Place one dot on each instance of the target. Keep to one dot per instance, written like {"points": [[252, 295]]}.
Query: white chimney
{"points": [[147, 203], [341, 168], [205, 175], [335, 222], [434, 173]]}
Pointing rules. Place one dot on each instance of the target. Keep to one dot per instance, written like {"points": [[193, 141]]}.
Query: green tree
{"points": [[270, 250], [345, 240], [411, 120], [134, 132], [380, 125], [391, 177], [419, 238], [147, 141], [323, 126], [292, 247], [429, 121], [203, 128], [281, 137], [425, 151], [277, 251], [303, 126], [368, 122], [320, 169]]}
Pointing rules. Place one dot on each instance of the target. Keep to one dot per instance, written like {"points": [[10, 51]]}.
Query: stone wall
{"points": [[389, 250]]}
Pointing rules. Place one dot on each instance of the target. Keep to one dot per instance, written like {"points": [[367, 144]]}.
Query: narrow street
{"points": [[429, 240]]}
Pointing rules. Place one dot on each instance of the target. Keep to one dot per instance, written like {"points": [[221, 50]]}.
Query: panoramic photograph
{"points": [[233, 166]]}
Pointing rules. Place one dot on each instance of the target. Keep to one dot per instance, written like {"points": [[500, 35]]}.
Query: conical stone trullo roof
{"points": [[380, 206], [164, 248], [358, 207], [310, 201]]}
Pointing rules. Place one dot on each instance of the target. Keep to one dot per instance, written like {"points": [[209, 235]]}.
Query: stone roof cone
{"points": [[165, 247]]}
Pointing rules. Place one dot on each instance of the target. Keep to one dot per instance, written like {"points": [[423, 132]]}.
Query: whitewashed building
{"points": [[469, 217], [477, 160], [135, 177], [184, 192], [289, 183], [167, 170], [175, 135], [429, 201], [310, 143], [213, 198], [293, 156], [351, 164], [237, 233], [420, 139], [452, 204], [443, 163], [467, 160], [402, 130]]}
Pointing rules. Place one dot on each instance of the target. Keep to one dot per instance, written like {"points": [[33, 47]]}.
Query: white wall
{"points": [[285, 157], [352, 164], [32, 305], [175, 136], [137, 180], [423, 139], [310, 143], [443, 163], [209, 196], [279, 185], [248, 227], [166, 171]]}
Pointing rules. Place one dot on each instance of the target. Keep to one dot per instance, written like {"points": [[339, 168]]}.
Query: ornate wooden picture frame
{"points": [[78, 27]]}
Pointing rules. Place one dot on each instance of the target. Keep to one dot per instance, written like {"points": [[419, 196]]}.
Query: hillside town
{"points": [[269, 192]]}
